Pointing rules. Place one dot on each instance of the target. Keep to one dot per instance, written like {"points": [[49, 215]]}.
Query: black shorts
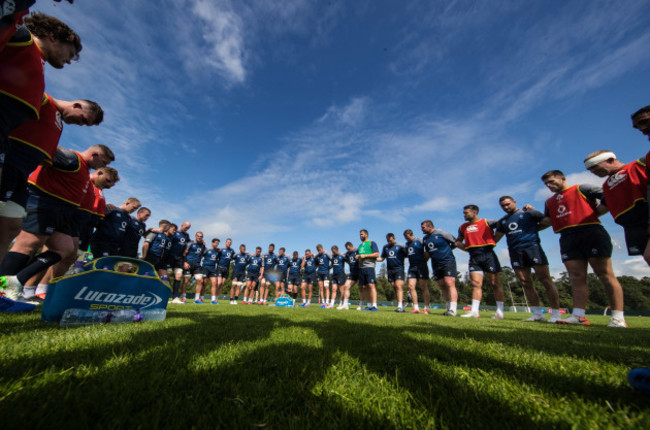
{"points": [[338, 278], [176, 262], [223, 272], [367, 276], [210, 272], [12, 114], [309, 278], [102, 249], [253, 277], [239, 276], [395, 275], [195, 269], [14, 185], [294, 279], [133, 253], [586, 243], [529, 257], [441, 271], [46, 214], [420, 271], [155, 261], [636, 238], [486, 262], [323, 277]]}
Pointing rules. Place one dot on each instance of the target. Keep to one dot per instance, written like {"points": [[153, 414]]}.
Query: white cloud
{"points": [[633, 266]]}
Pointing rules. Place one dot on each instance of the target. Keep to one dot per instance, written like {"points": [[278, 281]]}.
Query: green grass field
{"points": [[229, 366]]}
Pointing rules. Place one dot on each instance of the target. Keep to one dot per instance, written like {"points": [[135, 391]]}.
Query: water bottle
{"points": [[78, 317]]}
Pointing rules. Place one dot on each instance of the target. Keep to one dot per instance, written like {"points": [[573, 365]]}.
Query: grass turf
{"points": [[228, 366]]}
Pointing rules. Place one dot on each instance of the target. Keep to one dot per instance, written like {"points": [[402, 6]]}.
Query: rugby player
{"points": [[223, 269], [308, 266], [209, 266], [31, 144], [476, 236], [352, 278], [239, 274], [418, 273], [135, 229], [395, 253], [521, 231], [109, 233], [323, 276], [367, 254], [293, 280], [338, 275], [175, 257], [55, 193], [268, 278], [154, 246], [572, 212], [42, 39], [625, 194], [438, 246], [282, 266], [254, 274], [193, 255]]}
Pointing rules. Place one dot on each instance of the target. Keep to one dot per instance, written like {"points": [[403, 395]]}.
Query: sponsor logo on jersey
{"points": [[617, 178]]}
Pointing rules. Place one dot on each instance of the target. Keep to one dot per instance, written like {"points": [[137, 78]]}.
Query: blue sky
{"points": [[299, 122]]}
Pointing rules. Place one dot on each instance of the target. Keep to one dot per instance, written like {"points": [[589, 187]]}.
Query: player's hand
{"points": [[186, 266], [357, 257], [528, 207]]}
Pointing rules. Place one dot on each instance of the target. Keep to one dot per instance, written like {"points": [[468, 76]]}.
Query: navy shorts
{"points": [[486, 262], [636, 238], [395, 275], [238, 276], [323, 277], [309, 278], [223, 272], [294, 279], [441, 271], [354, 276], [367, 276], [176, 262], [195, 269], [585, 243], [420, 271], [155, 261], [210, 272], [338, 278], [46, 214], [14, 185], [529, 257], [253, 277]]}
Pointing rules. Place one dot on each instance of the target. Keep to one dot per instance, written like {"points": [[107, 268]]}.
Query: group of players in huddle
{"points": [[52, 201]]}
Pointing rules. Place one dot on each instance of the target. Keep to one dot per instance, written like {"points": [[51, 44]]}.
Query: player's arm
{"points": [[147, 243], [459, 241], [375, 254], [498, 236], [65, 159], [594, 193], [449, 238]]}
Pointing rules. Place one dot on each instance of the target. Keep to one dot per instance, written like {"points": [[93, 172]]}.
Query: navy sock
{"points": [[40, 263], [177, 284], [13, 263]]}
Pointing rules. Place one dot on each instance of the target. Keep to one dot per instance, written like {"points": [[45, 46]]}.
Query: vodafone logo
{"points": [[616, 178], [472, 229], [391, 253], [513, 226], [561, 209]]}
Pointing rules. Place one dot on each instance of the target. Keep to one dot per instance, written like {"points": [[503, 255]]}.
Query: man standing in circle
{"points": [[293, 281], [352, 278], [323, 276], [476, 236], [438, 246], [573, 213], [239, 274], [394, 253], [521, 231], [367, 254], [418, 273], [338, 275], [308, 277]]}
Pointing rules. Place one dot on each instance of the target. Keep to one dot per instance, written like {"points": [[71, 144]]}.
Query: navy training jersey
{"points": [[210, 258], [178, 243], [394, 255], [112, 228], [255, 265], [310, 265], [338, 264], [439, 246], [521, 229], [131, 239], [225, 256], [158, 243], [351, 259], [269, 261], [282, 263], [195, 252], [294, 266], [241, 261], [323, 263], [415, 251]]}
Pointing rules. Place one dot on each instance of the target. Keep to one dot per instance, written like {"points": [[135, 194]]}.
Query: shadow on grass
{"points": [[216, 371]]}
